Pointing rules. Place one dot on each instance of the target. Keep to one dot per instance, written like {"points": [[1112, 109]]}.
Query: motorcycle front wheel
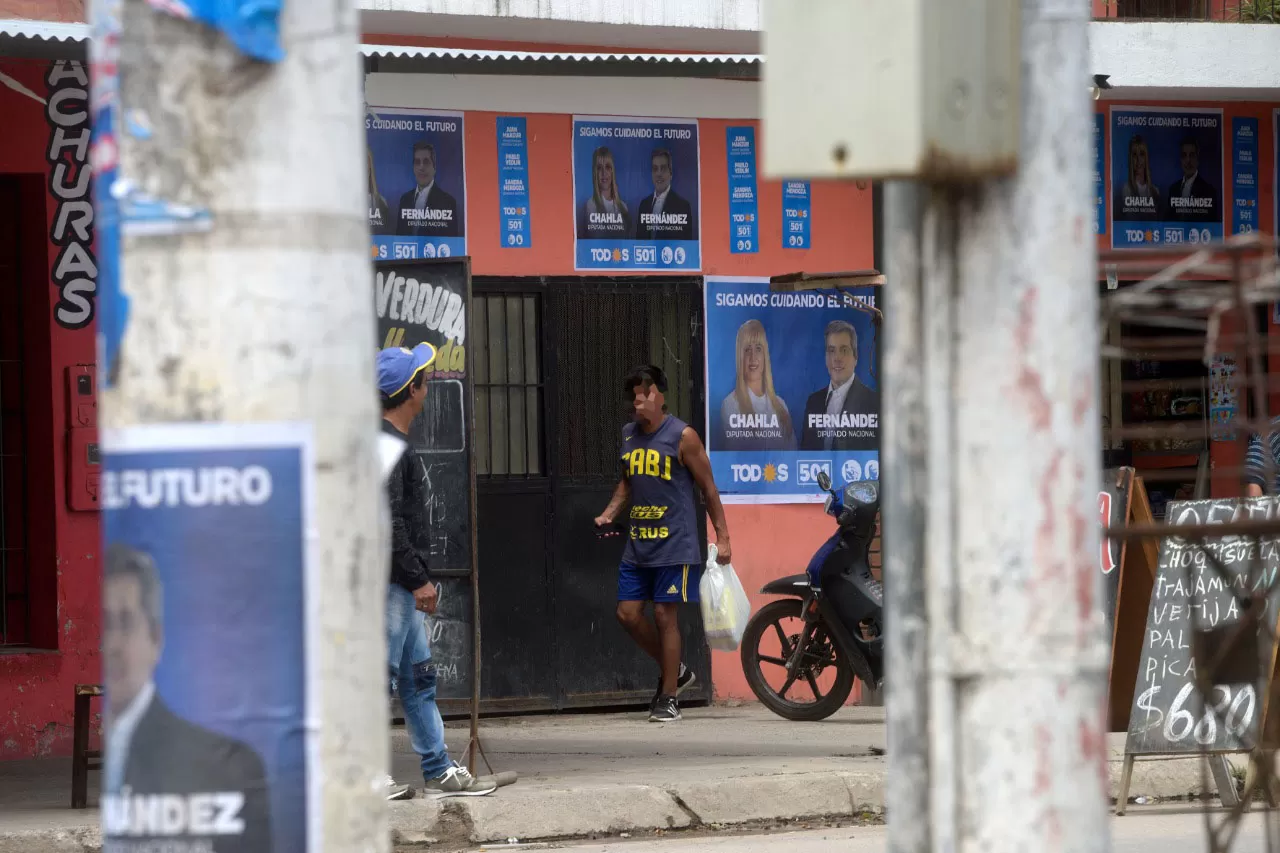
{"points": [[814, 683]]}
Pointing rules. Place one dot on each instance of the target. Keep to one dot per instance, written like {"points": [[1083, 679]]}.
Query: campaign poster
{"points": [[637, 195], [795, 214], [793, 388], [209, 638], [1244, 175], [513, 181], [1167, 176], [744, 207], [417, 183], [1099, 173]]}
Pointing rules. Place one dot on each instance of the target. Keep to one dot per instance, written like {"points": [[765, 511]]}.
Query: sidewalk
{"points": [[591, 774]]}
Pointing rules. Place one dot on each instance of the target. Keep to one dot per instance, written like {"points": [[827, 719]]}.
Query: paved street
{"points": [[1160, 832]]}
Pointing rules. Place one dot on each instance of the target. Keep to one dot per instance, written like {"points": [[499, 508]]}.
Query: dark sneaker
{"points": [[665, 710], [457, 781], [396, 791], [686, 680]]}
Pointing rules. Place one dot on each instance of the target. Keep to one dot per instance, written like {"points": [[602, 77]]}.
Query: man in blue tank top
{"points": [[661, 458]]}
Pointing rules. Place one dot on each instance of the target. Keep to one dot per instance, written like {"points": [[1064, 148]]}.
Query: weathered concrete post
{"points": [[266, 317]]}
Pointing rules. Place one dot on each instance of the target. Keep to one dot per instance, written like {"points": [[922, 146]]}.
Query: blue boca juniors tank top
{"points": [[663, 518]]}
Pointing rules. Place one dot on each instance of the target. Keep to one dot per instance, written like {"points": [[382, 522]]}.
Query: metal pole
{"points": [[903, 527], [267, 317], [1018, 655]]}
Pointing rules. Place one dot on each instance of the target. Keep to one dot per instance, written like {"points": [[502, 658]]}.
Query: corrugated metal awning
{"points": [[28, 39], [408, 58], [44, 39]]}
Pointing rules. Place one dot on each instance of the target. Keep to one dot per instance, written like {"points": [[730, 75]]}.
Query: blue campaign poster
{"points": [[795, 214], [1244, 175], [417, 183], [637, 194], [792, 389], [1099, 173], [1167, 176], [513, 181], [744, 206], [207, 637]]}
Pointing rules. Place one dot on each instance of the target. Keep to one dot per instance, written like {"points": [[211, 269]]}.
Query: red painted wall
{"points": [[36, 687]]}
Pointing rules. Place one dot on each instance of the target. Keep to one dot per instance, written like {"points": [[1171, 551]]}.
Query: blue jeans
{"points": [[411, 670]]}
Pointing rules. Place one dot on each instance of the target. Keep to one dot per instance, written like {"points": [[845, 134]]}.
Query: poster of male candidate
{"points": [[1167, 175], [792, 389], [636, 194], [208, 640], [417, 183]]}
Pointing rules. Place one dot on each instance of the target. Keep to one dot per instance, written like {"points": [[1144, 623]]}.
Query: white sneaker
{"points": [[396, 791], [457, 781]]}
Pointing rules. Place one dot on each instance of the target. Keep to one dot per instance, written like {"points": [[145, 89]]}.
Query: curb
{"points": [[539, 814], [535, 813]]}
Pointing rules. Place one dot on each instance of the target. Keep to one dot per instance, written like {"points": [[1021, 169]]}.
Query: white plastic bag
{"points": [[725, 608]]}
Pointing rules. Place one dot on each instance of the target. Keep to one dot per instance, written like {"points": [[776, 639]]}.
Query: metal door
{"points": [[599, 329], [549, 357]]}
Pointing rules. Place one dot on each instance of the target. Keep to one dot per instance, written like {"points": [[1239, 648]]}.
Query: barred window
{"points": [[507, 374]]}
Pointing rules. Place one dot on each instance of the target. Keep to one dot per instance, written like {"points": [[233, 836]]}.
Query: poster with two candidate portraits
{"points": [[1167, 176], [417, 183], [793, 389], [637, 194]]}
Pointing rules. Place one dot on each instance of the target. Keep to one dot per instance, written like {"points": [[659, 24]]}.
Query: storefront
{"points": [[560, 309], [554, 325], [1171, 176]]}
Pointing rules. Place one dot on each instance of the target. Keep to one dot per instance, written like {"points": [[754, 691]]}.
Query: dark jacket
{"points": [[437, 199], [407, 495], [170, 755], [860, 400], [674, 204], [1200, 189]]}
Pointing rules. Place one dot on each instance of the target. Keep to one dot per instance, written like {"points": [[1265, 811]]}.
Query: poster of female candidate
{"points": [[207, 640], [1167, 174], [792, 389], [417, 183], [637, 194]]}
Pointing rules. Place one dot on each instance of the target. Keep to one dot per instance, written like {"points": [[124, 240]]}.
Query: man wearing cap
{"points": [[402, 383]]}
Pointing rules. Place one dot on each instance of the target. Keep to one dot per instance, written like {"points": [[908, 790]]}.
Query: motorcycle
{"points": [[838, 605]]}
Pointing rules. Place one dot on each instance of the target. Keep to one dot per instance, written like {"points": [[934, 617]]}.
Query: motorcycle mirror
{"points": [[824, 480]]}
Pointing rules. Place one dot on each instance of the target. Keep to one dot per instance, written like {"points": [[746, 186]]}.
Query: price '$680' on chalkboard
{"points": [[1193, 608]]}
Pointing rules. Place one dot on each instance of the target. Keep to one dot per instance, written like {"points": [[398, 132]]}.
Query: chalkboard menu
{"points": [[451, 638], [430, 300], [1113, 511], [1195, 605]]}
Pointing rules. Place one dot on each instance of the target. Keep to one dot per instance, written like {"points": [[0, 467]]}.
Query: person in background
{"points": [[1258, 457], [402, 382], [753, 394], [661, 458]]}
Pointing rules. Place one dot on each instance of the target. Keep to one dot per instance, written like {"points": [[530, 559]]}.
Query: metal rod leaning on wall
{"points": [[903, 525]]}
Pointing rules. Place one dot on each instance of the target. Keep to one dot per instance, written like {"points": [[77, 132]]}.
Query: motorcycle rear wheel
{"points": [[769, 619]]}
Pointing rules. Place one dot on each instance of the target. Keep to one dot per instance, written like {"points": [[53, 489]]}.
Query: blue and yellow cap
{"points": [[397, 366]]}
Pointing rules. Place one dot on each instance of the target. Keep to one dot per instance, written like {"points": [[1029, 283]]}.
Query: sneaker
{"points": [[457, 781], [665, 710], [396, 791], [686, 680]]}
